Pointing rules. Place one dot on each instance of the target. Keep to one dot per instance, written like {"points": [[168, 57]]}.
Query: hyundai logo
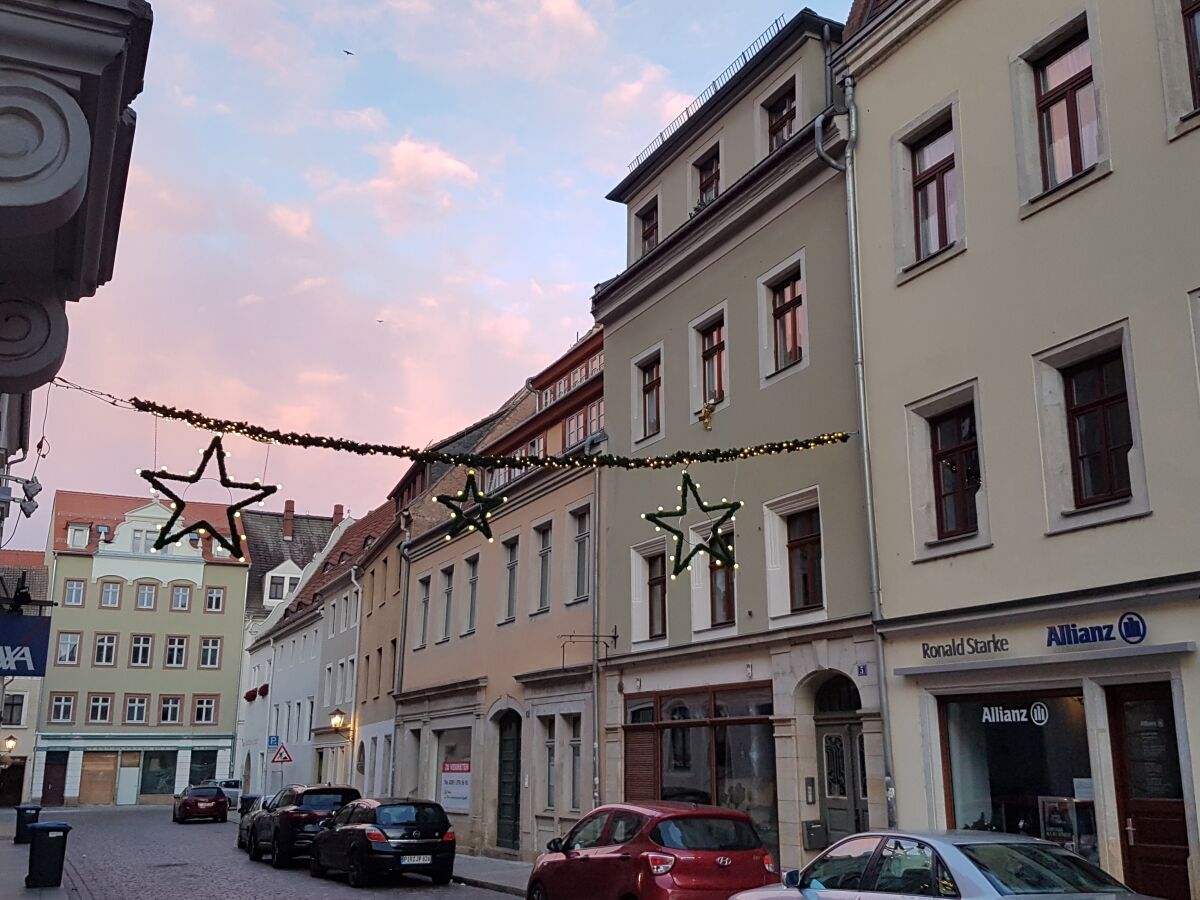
{"points": [[724, 861]]}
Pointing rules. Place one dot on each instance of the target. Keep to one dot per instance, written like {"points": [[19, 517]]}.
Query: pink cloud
{"points": [[294, 221], [320, 377], [367, 119]]}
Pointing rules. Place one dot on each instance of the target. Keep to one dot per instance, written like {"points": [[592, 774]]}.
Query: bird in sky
{"points": [[348, 52]]}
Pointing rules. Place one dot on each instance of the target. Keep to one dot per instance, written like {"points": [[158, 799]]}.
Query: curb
{"points": [[489, 885]]}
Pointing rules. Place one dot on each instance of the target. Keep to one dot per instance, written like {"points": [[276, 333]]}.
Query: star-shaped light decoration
{"points": [[477, 519], [715, 546], [201, 527]]}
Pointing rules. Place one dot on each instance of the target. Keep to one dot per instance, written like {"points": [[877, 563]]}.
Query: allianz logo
{"points": [[1130, 628], [1037, 713], [10, 656]]}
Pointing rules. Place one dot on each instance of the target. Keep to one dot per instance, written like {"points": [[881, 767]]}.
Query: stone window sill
{"points": [[1185, 124], [539, 612], [577, 601], [1094, 507], [507, 621], [919, 268], [1072, 185]]}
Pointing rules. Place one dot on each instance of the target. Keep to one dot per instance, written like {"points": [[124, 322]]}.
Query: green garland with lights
{"points": [[473, 519]]}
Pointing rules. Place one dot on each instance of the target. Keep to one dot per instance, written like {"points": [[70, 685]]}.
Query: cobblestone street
{"points": [[136, 853]]}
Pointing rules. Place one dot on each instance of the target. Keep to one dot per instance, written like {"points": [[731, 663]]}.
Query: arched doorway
{"points": [[841, 756], [508, 793]]}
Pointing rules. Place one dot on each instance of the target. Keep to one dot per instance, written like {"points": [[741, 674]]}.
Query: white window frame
{"points": [[695, 359], [105, 592], [175, 704], [636, 425], [1057, 470], [351, 680], [472, 565], [639, 594], [926, 544], [1032, 193], [149, 590], [219, 594], [577, 537], [145, 717], [178, 590], [134, 646], [327, 691], [332, 619], [67, 593], [101, 699], [635, 223], [1173, 57], [510, 588], [208, 644], [78, 536], [110, 645], [447, 573], [771, 92], [542, 562], [778, 573], [182, 645], [24, 720], [714, 140], [425, 588], [207, 703], [63, 711], [767, 373], [574, 730], [71, 644], [702, 627]]}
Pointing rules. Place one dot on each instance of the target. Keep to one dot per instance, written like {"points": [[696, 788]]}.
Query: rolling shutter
{"points": [[641, 765]]}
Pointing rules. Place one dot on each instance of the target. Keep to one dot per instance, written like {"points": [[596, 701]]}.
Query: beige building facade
{"points": [[140, 695], [754, 688], [1026, 186]]}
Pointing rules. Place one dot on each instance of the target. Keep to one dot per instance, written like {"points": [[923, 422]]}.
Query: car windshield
{"points": [[327, 800], [207, 793], [232, 783], [1039, 869], [706, 833], [410, 814]]}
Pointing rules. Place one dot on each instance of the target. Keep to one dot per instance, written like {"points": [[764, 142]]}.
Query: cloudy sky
{"points": [[381, 245]]}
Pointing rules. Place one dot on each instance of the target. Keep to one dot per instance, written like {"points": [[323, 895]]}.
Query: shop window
{"points": [[203, 767], [158, 772]]}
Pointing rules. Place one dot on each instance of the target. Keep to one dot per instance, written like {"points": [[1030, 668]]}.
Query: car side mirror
{"points": [[555, 845], [326, 822], [791, 878]]}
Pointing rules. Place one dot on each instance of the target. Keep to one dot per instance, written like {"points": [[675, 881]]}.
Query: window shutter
{"points": [[641, 765]]}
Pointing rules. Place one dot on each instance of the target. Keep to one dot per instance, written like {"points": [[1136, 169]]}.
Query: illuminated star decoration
{"points": [[715, 546], [233, 512], [477, 519]]}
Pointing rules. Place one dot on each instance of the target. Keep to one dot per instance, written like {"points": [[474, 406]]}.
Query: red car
{"points": [[201, 803], [654, 851]]}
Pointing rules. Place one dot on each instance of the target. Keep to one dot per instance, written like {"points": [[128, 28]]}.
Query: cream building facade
{"points": [[1026, 184]]}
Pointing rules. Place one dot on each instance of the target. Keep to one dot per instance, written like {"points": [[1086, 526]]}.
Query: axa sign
{"points": [[23, 644], [1130, 628]]}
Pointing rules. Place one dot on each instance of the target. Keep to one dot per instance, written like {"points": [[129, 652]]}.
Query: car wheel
{"points": [[537, 892], [356, 871], [224, 818], [443, 874], [280, 858], [253, 847], [315, 869], [174, 816], [241, 842]]}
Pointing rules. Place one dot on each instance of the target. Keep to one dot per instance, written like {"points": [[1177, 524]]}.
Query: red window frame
{"points": [[804, 544], [787, 309], [781, 116], [936, 174], [721, 574], [651, 395], [656, 595], [1105, 404], [1068, 90], [648, 218], [961, 458], [1191, 22], [709, 170], [712, 350]]}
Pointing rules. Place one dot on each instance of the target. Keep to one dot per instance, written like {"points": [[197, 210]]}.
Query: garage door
{"points": [[98, 781]]}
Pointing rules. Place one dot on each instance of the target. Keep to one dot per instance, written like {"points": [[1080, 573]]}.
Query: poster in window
{"points": [[456, 786]]}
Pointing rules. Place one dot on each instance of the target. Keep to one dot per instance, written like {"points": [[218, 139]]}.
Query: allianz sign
{"points": [[1130, 628]]}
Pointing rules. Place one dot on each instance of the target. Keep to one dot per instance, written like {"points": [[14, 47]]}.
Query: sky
{"points": [[381, 244]]}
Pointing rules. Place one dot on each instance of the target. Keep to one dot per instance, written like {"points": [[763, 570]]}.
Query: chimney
{"points": [[338, 512], [289, 511]]}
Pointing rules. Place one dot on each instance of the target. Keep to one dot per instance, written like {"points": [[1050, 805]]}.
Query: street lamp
{"points": [[10, 743], [337, 719]]}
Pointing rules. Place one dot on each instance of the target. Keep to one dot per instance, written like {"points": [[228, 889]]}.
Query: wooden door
{"points": [[98, 779], [842, 783], [12, 780], [508, 796], [1154, 839], [641, 765], [54, 778]]}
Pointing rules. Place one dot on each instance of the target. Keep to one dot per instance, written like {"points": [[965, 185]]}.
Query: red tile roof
{"points": [[22, 559]]}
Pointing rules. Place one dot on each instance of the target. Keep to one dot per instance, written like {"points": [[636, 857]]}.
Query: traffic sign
{"points": [[281, 755], [273, 740]]}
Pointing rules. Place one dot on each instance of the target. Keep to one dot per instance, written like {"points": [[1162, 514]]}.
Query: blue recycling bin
{"points": [[47, 852], [27, 814]]}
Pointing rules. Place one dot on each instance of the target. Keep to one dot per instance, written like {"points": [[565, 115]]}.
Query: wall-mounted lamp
{"points": [[10, 743], [337, 720]]}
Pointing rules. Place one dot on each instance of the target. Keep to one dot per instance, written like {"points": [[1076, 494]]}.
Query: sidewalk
{"points": [[14, 864], [504, 875]]}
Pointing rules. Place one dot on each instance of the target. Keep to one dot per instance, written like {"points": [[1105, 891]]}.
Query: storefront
{"points": [[1067, 723]]}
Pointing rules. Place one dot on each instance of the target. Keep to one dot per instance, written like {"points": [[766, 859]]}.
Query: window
{"points": [[181, 598], [912, 868], [472, 591], [99, 708], [1098, 428], [510, 579], [77, 536], [351, 682], [176, 652], [648, 222], [110, 595], [147, 596], [136, 709], [956, 474], [62, 707], [214, 600], [545, 550], [583, 552], [587, 833], [210, 653], [720, 584], [68, 648], [14, 710], [656, 591], [596, 416], [448, 595], [341, 681], [651, 377], [205, 711], [787, 299], [73, 592], [327, 696], [842, 867], [708, 170], [423, 633], [1191, 32], [574, 429], [935, 192], [395, 660], [804, 559], [332, 619], [781, 118], [712, 365], [169, 710], [105, 650], [276, 588], [548, 742], [574, 723], [1068, 122], [141, 647]]}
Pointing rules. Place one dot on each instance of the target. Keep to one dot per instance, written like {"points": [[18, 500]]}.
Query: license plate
{"points": [[415, 860], [311, 826], [205, 805]]}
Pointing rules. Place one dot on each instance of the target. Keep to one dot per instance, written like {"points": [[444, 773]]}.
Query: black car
{"points": [[286, 824], [370, 838], [245, 820]]}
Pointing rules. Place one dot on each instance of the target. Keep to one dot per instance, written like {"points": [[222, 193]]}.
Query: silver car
{"points": [[232, 787], [971, 865]]}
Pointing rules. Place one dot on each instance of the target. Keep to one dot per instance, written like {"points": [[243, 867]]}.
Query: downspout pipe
{"points": [[595, 592], [819, 124], [402, 648]]}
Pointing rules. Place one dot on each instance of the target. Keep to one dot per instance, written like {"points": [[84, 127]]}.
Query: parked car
{"points": [[653, 851], [245, 820], [367, 839], [200, 803], [971, 865], [286, 826], [231, 786]]}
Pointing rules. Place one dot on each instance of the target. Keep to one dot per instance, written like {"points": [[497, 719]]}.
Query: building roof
{"points": [[264, 537], [863, 12], [84, 508], [31, 564]]}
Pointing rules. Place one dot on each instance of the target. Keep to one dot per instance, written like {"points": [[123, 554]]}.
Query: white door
{"points": [[127, 785]]}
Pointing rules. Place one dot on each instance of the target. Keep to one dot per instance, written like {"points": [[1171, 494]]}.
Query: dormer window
{"points": [[102, 532], [648, 219], [709, 172], [781, 118], [78, 536], [218, 549]]}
